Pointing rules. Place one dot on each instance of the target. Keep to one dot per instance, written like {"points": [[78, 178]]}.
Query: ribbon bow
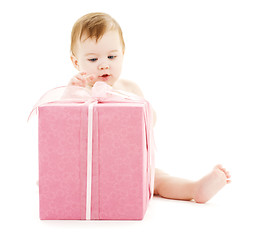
{"points": [[100, 92]]}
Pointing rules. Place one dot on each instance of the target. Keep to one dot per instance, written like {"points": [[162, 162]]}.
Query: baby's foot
{"points": [[209, 185]]}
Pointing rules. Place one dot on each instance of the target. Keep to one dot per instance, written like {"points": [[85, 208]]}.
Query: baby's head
{"points": [[97, 47]]}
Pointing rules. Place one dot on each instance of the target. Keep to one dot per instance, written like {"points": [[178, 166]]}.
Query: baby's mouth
{"points": [[104, 77]]}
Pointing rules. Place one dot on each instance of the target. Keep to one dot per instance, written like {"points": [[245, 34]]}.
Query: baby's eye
{"points": [[111, 57], [93, 59]]}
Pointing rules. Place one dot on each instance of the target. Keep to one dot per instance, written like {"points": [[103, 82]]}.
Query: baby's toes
{"points": [[219, 167], [226, 172]]}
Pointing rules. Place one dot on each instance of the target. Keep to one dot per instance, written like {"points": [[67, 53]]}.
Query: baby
{"points": [[97, 51]]}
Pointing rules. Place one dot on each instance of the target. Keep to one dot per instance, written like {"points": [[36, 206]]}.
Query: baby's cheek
{"points": [[88, 68]]}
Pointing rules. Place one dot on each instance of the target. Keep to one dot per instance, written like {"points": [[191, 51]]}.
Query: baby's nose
{"points": [[103, 66]]}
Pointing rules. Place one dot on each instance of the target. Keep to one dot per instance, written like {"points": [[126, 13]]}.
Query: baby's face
{"points": [[104, 58]]}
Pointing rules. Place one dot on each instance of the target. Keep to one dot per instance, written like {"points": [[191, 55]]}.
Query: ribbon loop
{"points": [[100, 92]]}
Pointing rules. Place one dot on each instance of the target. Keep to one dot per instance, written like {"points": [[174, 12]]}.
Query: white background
{"points": [[194, 61]]}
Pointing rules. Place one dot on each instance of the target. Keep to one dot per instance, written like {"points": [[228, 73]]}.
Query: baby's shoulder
{"points": [[123, 83], [128, 86]]}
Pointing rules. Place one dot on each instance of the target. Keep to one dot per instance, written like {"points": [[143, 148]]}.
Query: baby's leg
{"points": [[181, 189], [172, 187]]}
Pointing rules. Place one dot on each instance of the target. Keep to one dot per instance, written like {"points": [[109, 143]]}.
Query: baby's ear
{"points": [[74, 61]]}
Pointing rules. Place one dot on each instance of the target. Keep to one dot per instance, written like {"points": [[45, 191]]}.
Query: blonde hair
{"points": [[94, 25]]}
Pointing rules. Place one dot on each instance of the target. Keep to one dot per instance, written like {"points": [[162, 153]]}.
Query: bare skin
{"points": [[181, 189]]}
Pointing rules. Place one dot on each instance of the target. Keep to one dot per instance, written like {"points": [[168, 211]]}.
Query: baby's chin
{"points": [[110, 83]]}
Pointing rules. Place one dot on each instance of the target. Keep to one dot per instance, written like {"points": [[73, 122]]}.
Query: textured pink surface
{"points": [[120, 185]]}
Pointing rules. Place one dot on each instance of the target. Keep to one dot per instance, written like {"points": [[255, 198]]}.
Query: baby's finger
{"points": [[76, 82], [82, 76], [90, 78], [79, 77]]}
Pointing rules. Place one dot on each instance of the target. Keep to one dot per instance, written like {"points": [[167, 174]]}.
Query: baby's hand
{"points": [[82, 79]]}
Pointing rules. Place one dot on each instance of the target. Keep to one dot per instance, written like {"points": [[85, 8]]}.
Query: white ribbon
{"points": [[89, 161]]}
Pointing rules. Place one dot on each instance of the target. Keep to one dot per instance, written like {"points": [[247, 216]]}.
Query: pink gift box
{"points": [[116, 184]]}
